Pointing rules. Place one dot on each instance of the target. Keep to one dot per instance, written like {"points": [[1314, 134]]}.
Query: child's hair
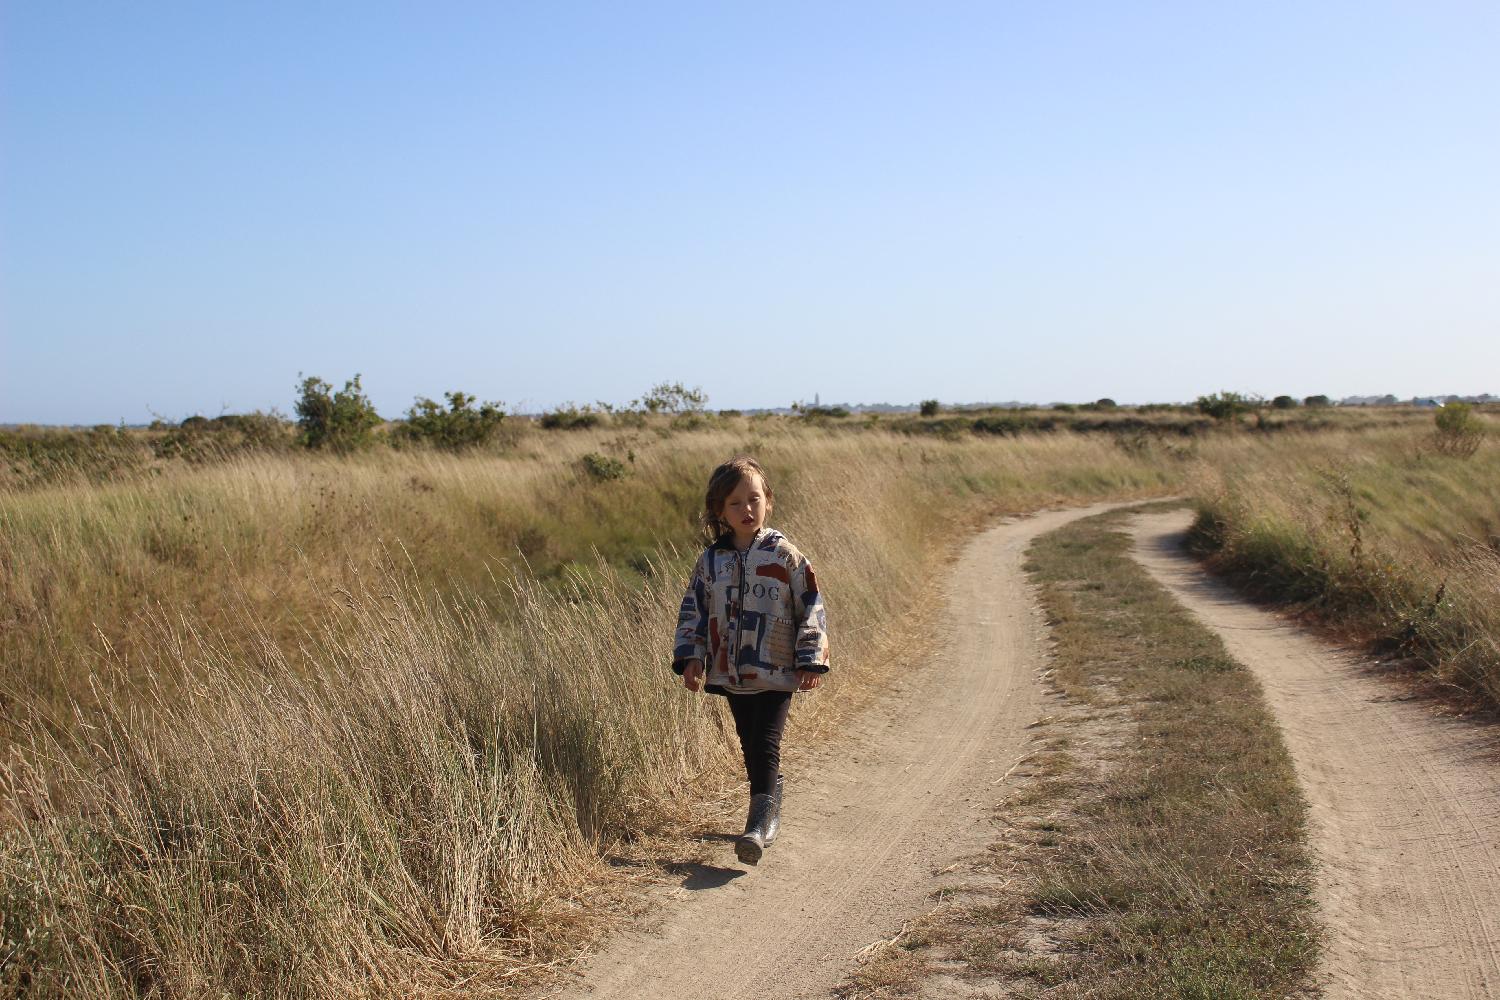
{"points": [[722, 483]]}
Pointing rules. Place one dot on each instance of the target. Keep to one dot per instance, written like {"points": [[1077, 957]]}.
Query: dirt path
{"points": [[1405, 803], [864, 834]]}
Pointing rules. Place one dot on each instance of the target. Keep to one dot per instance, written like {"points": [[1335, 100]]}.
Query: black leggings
{"points": [[760, 720]]}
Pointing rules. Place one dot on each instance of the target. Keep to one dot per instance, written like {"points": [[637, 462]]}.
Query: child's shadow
{"points": [[699, 877]]}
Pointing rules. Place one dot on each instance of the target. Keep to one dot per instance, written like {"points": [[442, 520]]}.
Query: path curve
{"points": [[1404, 803], [910, 793]]}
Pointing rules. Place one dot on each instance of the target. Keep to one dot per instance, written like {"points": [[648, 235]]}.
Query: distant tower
{"points": [[815, 400]]}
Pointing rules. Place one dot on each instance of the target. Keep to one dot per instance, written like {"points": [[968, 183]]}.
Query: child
{"points": [[752, 613]]}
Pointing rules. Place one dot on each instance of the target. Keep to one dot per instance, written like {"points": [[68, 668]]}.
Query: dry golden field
{"points": [[287, 726], [281, 724]]}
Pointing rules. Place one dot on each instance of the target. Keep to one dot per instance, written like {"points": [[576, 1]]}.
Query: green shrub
{"points": [[691, 420], [929, 407], [1284, 403], [341, 421], [1011, 423], [571, 418], [822, 412], [461, 425], [602, 467], [1317, 401], [30, 456], [197, 439], [257, 429], [951, 427], [671, 397], [1226, 406], [1459, 431]]}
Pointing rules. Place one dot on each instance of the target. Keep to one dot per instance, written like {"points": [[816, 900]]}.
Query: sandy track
{"points": [[1404, 802], [864, 833]]}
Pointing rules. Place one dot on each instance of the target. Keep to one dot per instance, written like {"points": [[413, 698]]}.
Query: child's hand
{"points": [[692, 677], [807, 680]]}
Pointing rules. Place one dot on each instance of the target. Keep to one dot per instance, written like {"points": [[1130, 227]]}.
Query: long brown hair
{"points": [[725, 479]]}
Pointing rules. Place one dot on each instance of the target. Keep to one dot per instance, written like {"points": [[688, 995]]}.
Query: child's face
{"points": [[746, 508]]}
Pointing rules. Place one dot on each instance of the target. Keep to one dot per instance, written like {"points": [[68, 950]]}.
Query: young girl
{"points": [[753, 615]]}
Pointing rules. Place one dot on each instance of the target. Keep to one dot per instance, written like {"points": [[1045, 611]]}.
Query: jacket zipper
{"points": [[739, 605]]}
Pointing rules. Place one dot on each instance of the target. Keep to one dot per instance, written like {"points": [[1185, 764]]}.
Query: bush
{"points": [[929, 407], [30, 456], [258, 429], [1459, 431], [602, 467], [571, 418], [341, 421], [671, 397], [1226, 406], [1316, 401], [1012, 424], [1284, 403], [461, 425], [198, 439]]}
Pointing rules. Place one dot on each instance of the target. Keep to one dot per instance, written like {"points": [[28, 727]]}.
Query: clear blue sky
{"points": [[874, 202]]}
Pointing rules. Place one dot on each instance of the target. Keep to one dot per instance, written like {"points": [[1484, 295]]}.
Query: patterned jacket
{"points": [[755, 620]]}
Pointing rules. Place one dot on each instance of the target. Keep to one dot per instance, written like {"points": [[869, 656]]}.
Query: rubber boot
{"points": [[752, 843], [773, 826]]}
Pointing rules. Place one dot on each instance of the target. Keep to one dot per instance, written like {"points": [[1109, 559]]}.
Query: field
{"points": [[283, 724], [1377, 536]]}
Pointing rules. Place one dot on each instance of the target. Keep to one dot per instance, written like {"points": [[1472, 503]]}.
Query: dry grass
{"points": [[1380, 535], [286, 726]]}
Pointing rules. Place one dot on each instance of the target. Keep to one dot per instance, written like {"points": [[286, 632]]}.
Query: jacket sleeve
{"points": [[812, 625], [691, 642]]}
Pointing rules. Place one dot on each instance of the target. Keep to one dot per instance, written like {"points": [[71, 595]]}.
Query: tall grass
{"points": [[311, 728], [1381, 535]]}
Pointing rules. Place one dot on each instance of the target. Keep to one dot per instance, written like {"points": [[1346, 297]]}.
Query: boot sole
{"points": [[748, 851]]}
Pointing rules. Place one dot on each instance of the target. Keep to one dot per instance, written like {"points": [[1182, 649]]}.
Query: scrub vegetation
{"points": [[396, 721], [393, 723], [1390, 537]]}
